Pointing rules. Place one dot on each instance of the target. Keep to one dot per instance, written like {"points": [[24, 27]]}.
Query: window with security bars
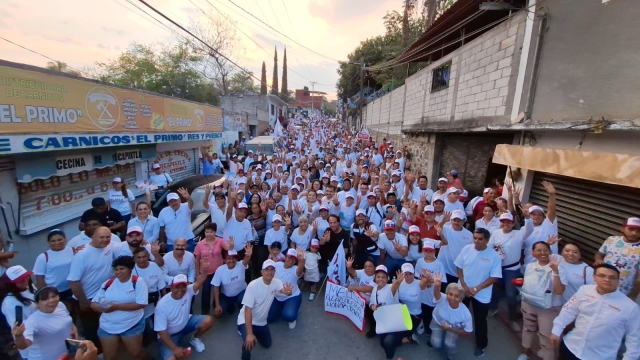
{"points": [[440, 77]]}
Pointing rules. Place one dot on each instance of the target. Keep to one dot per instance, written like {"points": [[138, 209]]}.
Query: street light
{"points": [[362, 65]]}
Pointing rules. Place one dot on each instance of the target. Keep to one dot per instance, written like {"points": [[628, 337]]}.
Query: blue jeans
{"points": [[505, 286], [390, 342], [288, 308], [262, 334], [190, 246], [228, 304], [393, 265], [192, 326]]}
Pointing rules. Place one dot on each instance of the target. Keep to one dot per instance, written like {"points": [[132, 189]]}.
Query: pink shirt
{"points": [[211, 253]]}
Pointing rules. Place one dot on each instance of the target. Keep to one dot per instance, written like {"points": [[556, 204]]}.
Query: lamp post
{"points": [[362, 64]]}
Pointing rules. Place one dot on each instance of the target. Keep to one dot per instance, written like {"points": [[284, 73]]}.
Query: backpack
{"points": [[535, 290], [134, 280]]}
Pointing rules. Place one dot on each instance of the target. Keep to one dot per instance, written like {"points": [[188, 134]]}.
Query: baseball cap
{"points": [[413, 229], [232, 253], [295, 187], [535, 208], [134, 229], [349, 195], [452, 190], [407, 268], [268, 171], [458, 214], [241, 181], [429, 208], [382, 268], [179, 279], [428, 244], [454, 172], [292, 252], [323, 207], [156, 166], [506, 216], [438, 199], [464, 195], [276, 217], [117, 180], [632, 222], [360, 212], [268, 263], [371, 194], [250, 152], [315, 244], [486, 190], [396, 173], [443, 179], [334, 178], [242, 206], [173, 196], [389, 225], [17, 274]]}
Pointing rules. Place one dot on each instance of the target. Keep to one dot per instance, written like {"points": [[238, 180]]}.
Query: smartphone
{"points": [[19, 314], [73, 345]]}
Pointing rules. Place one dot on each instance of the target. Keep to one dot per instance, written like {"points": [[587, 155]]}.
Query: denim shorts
{"points": [[192, 325], [136, 329]]}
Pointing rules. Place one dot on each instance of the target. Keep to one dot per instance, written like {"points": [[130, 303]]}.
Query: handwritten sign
{"points": [[350, 304]]}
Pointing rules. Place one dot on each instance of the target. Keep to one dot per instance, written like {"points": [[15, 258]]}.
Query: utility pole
{"points": [[361, 90], [313, 87]]}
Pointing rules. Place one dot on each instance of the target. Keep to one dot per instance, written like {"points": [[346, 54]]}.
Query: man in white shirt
{"points": [[91, 224], [175, 220], [161, 179], [452, 203], [393, 247], [603, 318], [478, 269], [256, 303], [134, 240], [217, 206], [172, 319]]}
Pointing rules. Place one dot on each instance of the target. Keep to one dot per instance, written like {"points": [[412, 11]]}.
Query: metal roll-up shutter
{"points": [[588, 212], [179, 164], [48, 202]]}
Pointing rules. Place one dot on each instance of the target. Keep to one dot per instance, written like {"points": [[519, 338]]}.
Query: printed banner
{"points": [[235, 121], [350, 304], [337, 270], [38, 102]]}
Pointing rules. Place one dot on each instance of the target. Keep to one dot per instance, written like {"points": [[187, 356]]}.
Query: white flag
{"points": [[278, 129], [337, 270]]}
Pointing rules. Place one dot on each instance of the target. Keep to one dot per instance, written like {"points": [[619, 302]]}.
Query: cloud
{"points": [[120, 32], [102, 46]]}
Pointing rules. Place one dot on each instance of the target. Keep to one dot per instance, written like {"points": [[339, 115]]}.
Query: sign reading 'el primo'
{"points": [[38, 102]]}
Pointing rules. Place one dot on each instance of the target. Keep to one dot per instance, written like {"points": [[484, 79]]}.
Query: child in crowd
{"points": [[311, 271], [276, 252]]}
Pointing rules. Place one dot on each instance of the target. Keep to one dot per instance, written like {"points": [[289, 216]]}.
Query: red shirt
{"points": [[425, 230], [479, 209]]}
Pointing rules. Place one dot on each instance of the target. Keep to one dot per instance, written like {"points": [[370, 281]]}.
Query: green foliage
{"points": [[284, 92], [263, 80], [274, 83], [62, 67], [242, 81]]}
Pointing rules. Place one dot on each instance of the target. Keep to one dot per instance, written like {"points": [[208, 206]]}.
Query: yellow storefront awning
{"points": [[618, 169]]}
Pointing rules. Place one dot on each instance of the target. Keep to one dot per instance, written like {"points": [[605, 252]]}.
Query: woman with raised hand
{"points": [[384, 294], [451, 318], [570, 272]]}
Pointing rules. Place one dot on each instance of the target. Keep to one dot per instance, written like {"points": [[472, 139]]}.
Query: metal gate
{"points": [[588, 212]]}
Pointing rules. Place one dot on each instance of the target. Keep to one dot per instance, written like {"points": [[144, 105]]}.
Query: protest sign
{"points": [[350, 304]]}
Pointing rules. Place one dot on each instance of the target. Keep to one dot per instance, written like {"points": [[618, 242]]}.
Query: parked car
{"points": [[195, 186], [261, 144]]}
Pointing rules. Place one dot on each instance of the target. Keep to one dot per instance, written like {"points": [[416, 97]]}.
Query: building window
{"points": [[440, 77], [273, 109]]}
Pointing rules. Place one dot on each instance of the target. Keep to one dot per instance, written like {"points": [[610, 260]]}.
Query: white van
{"points": [[262, 144]]}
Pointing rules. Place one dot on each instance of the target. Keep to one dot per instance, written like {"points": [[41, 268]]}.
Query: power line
{"points": [[44, 56], [313, 51], [295, 34]]}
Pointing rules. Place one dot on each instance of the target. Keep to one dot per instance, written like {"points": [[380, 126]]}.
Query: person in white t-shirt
{"points": [[44, 332], [175, 220], [121, 302], [453, 238], [237, 224], [384, 294], [231, 278], [428, 267], [90, 225], [17, 290], [311, 269], [478, 269], [172, 319], [52, 266], [451, 318], [120, 198], [256, 303], [180, 261], [410, 294], [570, 272], [276, 234], [288, 306], [544, 225], [361, 281], [152, 275]]}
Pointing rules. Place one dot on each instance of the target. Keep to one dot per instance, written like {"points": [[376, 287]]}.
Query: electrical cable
{"points": [[295, 34]]}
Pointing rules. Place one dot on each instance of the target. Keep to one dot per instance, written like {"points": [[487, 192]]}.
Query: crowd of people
{"points": [[276, 220]]}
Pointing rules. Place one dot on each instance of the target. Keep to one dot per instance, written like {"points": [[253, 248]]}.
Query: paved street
{"points": [[319, 335]]}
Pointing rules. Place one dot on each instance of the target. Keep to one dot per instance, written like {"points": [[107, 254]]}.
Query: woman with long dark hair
{"points": [[121, 199], [17, 290]]}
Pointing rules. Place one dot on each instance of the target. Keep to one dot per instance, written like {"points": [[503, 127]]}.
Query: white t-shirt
{"points": [[9, 311], [411, 295], [119, 202], [218, 216], [450, 207], [416, 193], [387, 245], [48, 332], [311, 260], [119, 321], [415, 251], [83, 239], [556, 300], [154, 278], [161, 180], [56, 269], [177, 224], [186, 267], [478, 266], [259, 297], [287, 276], [459, 318], [433, 268], [92, 267], [509, 246], [362, 279], [150, 227], [492, 226], [279, 236], [456, 241], [173, 315], [122, 249], [303, 240], [231, 280], [383, 296], [540, 233], [572, 276], [241, 232], [323, 225]]}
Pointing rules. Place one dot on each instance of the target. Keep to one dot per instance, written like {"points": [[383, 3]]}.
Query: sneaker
{"points": [[492, 312], [421, 328], [478, 352], [292, 324], [198, 346], [414, 339], [523, 357], [515, 327], [312, 296]]}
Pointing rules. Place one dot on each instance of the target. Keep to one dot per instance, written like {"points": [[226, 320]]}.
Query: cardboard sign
{"points": [[350, 304]]}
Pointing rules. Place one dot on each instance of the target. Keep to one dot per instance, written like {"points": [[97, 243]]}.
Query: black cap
{"points": [[98, 202]]}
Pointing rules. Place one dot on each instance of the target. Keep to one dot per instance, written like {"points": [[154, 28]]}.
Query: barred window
{"points": [[440, 77]]}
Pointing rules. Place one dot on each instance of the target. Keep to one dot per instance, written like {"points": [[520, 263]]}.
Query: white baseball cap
{"points": [[371, 194], [156, 166], [292, 253], [429, 208], [117, 180], [407, 268], [458, 214], [242, 206], [349, 196], [134, 229], [295, 187], [506, 216], [443, 179], [334, 178], [276, 217], [413, 229], [360, 212], [535, 208], [428, 244], [173, 196], [268, 263], [486, 190], [179, 279], [452, 190], [17, 274], [382, 268], [315, 243], [632, 222], [323, 207], [232, 253]]}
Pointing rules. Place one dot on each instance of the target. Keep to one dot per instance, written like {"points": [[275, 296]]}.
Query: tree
{"points": [[62, 67], [263, 80], [284, 92], [242, 81], [274, 84]]}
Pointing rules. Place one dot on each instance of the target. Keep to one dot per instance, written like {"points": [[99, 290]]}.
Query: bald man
{"points": [[90, 268]]}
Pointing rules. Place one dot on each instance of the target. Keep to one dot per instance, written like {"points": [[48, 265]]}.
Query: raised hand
{"points": [[207, 189], [423, 198], [396, 245], [155, 247], [184, 193], [231, 242], [438, 229], [287, 289], [350, 262], [549, 188], [447, 216], [300, 253], [437, 279], [248, 249], [399, 275], [552, 239], [553, 264], [525, 211]]}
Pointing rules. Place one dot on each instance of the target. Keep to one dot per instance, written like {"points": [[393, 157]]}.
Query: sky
{"points": [[81, 32]]}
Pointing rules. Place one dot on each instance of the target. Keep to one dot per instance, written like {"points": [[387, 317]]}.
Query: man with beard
{"points": [[135, 239], [364, 234], [92, 222], [331, 240]]}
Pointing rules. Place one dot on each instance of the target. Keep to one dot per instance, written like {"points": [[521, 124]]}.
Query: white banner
{"points": [[337, 270], [350, 304]]}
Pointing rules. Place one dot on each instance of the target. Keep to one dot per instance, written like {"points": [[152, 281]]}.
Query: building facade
{"points": [[249, 114]]}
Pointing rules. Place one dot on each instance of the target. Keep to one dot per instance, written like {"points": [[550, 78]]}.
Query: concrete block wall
{"points": [[385, 105], [396, 108], [415, 88], [440, 103]]}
